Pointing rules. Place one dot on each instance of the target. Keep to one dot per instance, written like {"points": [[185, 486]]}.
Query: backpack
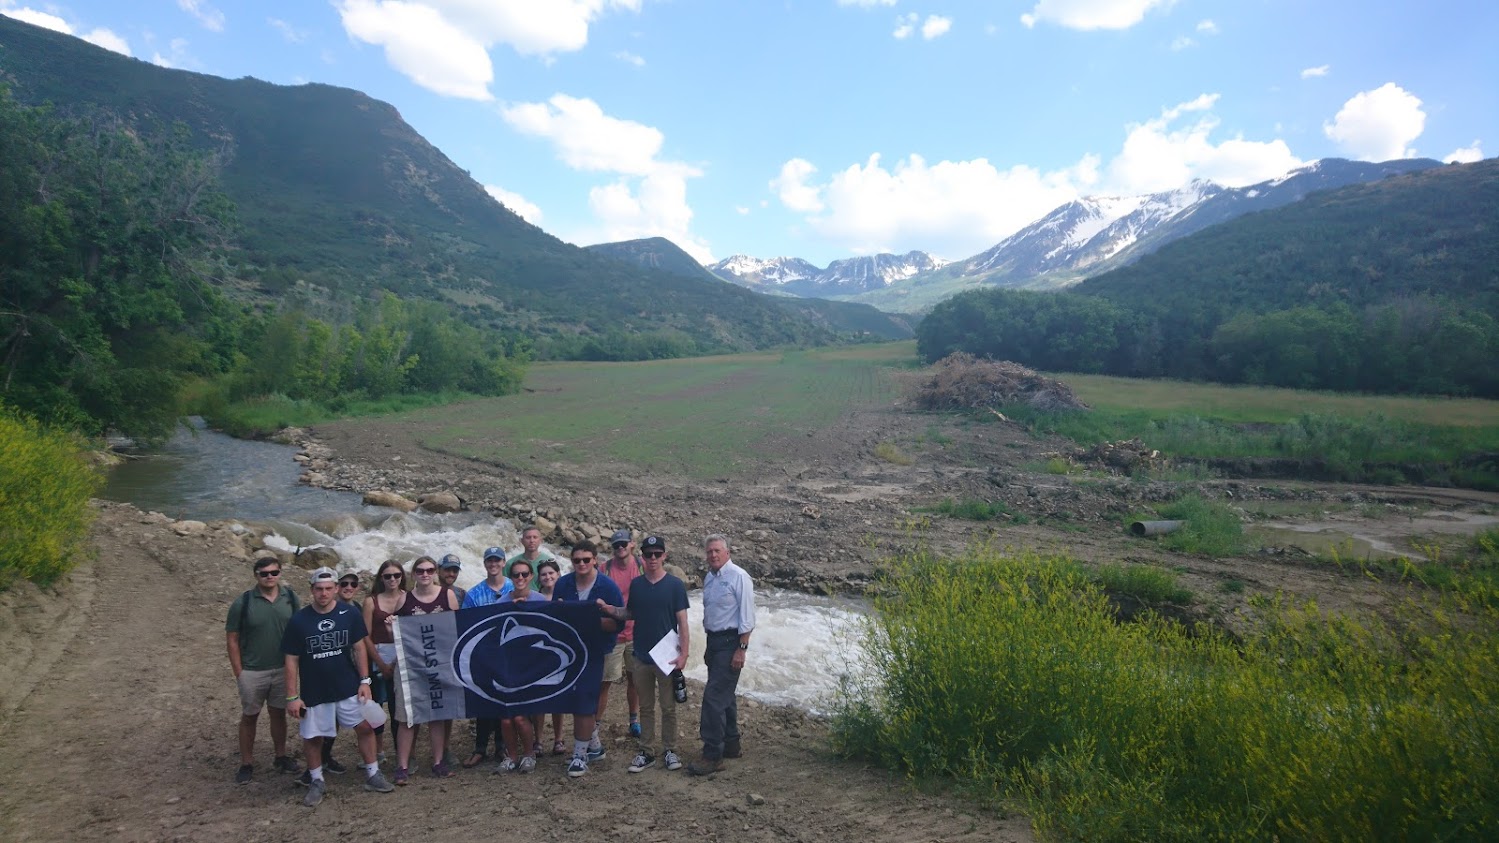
{"points": [[244, 606]]}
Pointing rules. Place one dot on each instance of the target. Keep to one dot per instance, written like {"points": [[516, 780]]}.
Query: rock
{"points": [[302, 458], [380, 497], [312, 558], [546, 525], [189, 528], [811, 511], [440, 502], [755, 799]]}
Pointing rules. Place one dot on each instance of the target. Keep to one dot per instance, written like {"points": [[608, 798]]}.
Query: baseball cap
{"points": [[620, 536], [494, 553], [450, 561], [323, 574], [653, 543]]}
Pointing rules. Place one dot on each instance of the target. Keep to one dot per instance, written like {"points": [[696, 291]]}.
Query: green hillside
{"points": [[854, 321], [1388, 286], [338, 198]]}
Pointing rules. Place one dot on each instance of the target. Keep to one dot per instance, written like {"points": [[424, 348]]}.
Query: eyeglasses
{"points": [[390, 576], [652, 554], [424, 571], [519, 575], [265, 575]]}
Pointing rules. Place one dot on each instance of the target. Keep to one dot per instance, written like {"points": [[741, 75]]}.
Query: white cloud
{"points": [[1378, 125], [99, 37], [422, 44], [443, 45], [523, 208], [958, 208], [935, 26], [1320, 70], [792, 188], [1207, 27], [1466, 154], [289, 32], [630, 58], [741, 210], [1091, 14], [650, 197], [1182, 42], [212, 19], [905, 25], [108, 40]]}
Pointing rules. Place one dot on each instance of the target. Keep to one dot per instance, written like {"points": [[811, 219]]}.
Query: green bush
{"points": [[971, 509], [1212, 529], [45, 486], [1151, 586], [1010, 675]]}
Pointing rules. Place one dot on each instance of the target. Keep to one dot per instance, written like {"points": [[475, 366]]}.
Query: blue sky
{"points": [[825, 129]]}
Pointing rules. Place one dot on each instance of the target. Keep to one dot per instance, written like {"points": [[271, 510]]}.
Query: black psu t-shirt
{"points": [[324, 646]]}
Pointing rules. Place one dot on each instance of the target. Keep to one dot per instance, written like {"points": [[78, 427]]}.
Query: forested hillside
{"points": [[1390, 286]]}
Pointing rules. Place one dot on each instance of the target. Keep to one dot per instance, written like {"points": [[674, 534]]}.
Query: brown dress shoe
{"points": [[705, 766]]}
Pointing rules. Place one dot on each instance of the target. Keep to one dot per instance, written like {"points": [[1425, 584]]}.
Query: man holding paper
{"points": [[658, 605]]}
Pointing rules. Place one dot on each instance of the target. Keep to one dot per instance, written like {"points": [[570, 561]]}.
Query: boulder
{"points": [[546, 525], [381, 497], [189, 528], [440, 502], [316, 557]]}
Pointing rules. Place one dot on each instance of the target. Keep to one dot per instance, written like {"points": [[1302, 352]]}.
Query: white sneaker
{"points": [[643, 760], [505, 766], [672, 761], [577, 767]]}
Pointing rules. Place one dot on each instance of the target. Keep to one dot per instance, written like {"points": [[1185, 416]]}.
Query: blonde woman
{"points": [[427, 596]]}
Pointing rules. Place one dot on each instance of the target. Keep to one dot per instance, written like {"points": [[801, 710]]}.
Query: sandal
{"points": [[441, 771], [476, 759], [558, 747]]}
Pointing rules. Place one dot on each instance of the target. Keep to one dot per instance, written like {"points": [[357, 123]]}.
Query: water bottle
{"points": [[679, 685]]}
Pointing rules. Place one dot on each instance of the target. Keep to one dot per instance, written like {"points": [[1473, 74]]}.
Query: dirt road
{"points": [[118, 714]]}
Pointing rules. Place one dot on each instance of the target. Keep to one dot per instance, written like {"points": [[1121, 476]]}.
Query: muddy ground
{"points": [[118, 712]]}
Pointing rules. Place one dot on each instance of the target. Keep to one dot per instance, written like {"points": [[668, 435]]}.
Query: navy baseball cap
{"points": [[450, 561], [620, 537], [494, 553], [653, 543]]}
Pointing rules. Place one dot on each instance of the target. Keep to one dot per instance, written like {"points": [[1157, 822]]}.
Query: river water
{"points": [[802, 643]]}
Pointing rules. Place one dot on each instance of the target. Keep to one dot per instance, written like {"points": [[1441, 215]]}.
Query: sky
{"points": [[826, 129]]}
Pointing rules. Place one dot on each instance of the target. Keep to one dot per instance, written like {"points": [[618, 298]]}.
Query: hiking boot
{"points": [[402, 777], [577, 767], [643, 760], [527, 764], [315, 793], [506, 765], [285, 764], [376, 783], [705, 766], [671, 760], [245, 775], [731, 749], [332, 766]]}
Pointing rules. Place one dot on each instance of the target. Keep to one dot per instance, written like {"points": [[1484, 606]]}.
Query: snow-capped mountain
{"points": [[841, 278]]}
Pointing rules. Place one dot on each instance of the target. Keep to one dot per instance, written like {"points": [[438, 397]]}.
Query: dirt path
{"points": [[117, 721]]}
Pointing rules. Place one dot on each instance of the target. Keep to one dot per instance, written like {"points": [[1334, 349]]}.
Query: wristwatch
{"points": [[365, 681], [744, 645]]}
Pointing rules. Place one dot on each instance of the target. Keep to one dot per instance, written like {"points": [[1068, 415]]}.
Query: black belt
{"points": [[723, 632]]}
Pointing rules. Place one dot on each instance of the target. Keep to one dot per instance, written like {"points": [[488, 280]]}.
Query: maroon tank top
{"points": [[381, 634], [413, 606]]}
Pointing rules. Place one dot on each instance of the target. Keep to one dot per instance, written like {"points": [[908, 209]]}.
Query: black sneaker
{"points": [[245, 775], [285, 764], [305, 779], [332, 766]]}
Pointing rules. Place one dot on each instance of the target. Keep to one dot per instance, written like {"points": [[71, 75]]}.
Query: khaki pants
{"points": [[653, 688]]}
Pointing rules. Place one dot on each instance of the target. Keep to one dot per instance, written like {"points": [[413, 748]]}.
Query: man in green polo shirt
{"points": [[256, 622]]}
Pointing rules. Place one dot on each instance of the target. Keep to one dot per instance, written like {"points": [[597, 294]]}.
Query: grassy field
{"points": [[704, 417]]}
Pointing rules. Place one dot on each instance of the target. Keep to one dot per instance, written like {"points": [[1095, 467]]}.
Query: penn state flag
{"points": [[499, 661]]}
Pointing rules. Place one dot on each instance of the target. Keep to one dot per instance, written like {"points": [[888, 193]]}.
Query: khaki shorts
{"points": [[614, 663], [260, 688]]}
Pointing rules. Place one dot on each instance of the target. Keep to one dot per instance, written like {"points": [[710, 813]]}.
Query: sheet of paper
{"points": [[664, 654]]}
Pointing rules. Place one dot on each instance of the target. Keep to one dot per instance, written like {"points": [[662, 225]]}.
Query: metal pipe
{"points": [[1155, 528]]}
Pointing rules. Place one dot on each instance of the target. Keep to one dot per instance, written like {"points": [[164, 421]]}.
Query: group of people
{"points": [[332, 662]]}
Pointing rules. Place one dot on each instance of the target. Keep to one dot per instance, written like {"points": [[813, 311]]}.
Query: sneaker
{"points": [[376, 783], [441, 770], [731, 749], [315, 793], [305, 779], [596, 752], [506, 765], [672, 760], [558, 747], [527, 764], [245, 775], [331, 766], [402, 777], [634, 728], [705, 766], [577, 767], [284, 764], [642, 761]]}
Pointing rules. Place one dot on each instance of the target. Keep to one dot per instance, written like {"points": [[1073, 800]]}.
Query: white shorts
{"points": [[324, 720]]}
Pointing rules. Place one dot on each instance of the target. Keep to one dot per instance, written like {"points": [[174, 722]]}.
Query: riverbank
{"points": [[118, 714]]}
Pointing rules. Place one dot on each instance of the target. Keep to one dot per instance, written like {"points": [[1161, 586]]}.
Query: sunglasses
{"points": [[654, 553], [348, 583], [519, 575], [391, 576], [265, 575], [618, 545], [422, 571], [583, 560]]}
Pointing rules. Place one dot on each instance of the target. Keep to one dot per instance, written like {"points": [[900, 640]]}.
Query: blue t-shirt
{"points": [[603, 589], [484, 595], [324, 647], [655, 607]]}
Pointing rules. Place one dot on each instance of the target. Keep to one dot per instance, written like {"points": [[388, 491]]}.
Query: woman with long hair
{"points": [[387, 595], [428, 596], [547, 574]]}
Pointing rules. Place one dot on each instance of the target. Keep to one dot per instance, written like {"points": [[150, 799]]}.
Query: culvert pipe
{"points": [[1155, 528]]}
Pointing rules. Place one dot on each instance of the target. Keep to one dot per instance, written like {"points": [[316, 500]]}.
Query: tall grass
{"points": [[1211, 528], [268, 414], [1010, 675], [46, 481]]}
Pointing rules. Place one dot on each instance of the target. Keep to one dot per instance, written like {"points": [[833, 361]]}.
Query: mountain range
{"points": [[1078, 240]]}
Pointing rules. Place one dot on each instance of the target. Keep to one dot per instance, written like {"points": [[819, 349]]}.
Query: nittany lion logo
{"points": [[325, 625], [517, 658]]}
